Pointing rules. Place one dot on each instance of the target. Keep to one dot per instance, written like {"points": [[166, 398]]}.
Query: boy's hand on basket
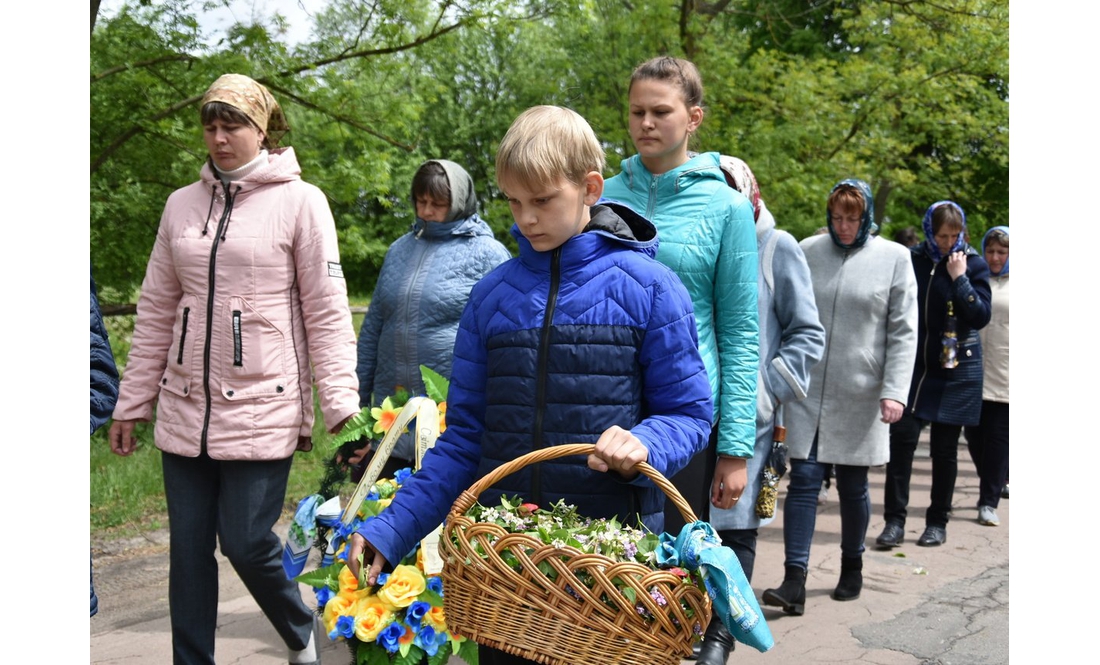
{"points": [[359, 548], [618, 450]]}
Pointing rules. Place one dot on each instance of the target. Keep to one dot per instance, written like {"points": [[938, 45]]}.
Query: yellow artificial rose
{"points": [[371, 617], [403, 586], [436, 619], [348, 582], [337, 606]]}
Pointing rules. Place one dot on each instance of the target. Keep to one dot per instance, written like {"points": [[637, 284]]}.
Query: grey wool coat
{"points": [[867, 300]]}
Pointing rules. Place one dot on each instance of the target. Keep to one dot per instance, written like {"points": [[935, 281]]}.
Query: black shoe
{"points": [[851, 578], [933, 536], [892, 535], [791, 595], [717, 644]]}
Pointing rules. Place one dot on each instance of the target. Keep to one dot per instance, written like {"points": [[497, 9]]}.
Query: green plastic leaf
{"points": [[328, 576], [430, 597], [468, 652], [434, 384]]}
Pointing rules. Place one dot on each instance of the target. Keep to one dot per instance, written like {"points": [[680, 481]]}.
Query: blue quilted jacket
{"points": [[419, 298], [553, 348], [104, 374]]}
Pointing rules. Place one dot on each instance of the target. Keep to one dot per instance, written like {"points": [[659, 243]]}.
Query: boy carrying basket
{"points": [[584, 338]]}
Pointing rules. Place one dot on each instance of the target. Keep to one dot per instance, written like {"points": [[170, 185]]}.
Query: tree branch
{"points": [[171, 57], [137, 128], [348, 121]]}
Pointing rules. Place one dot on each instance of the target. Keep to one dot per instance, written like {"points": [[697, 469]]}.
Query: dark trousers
{"points": [[743, 544], [944, 444], [800, 508], [988, 446], [693, 483], [235, 504]]}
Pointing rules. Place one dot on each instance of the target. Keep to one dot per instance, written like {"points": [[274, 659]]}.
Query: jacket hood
{"points": [[282, 166], [703, 166], [929, 245], [467, 226], [1004, 229], [610, 219], [867, 224], [765, 222], [463, 196]]}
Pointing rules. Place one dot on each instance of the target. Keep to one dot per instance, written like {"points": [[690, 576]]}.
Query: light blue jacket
{"points": [[708, 238]]}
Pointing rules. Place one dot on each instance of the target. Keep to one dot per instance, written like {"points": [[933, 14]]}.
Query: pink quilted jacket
{"points": [[240, 298]]}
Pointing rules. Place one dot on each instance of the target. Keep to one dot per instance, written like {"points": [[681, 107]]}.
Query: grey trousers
{"points": [[239, 503]]}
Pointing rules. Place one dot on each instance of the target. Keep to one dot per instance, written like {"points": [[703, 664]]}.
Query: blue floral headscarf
{"points": [[867, 224], [929, 246], [1004, 229]]}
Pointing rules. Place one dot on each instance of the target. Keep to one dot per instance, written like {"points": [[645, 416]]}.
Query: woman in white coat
{"points": [[866, 297]]}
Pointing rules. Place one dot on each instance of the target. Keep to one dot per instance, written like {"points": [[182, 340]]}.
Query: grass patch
{"points": [[127, 493]]}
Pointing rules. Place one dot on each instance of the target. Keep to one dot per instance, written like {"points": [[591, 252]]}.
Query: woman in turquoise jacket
{"points": [[708, 238]]}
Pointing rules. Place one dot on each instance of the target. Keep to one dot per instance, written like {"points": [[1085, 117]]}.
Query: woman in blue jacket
{"points": [[708, 237], [953, 296], [421, 292]]}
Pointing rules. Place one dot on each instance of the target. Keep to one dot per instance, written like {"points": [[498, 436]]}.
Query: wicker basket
{"points": [[527, 614]]}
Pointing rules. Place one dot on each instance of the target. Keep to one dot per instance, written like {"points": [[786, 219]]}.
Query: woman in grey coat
{"points": [[866, 298], [422, 289], [791, 343]]}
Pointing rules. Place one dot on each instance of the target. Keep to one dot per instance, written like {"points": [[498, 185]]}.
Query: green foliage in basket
{"points": [[563, 527]]}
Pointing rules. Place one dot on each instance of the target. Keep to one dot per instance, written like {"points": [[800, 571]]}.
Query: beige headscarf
{"points": [[253, 100]]}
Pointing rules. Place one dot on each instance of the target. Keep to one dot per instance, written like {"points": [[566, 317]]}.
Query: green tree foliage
{"points": [[910, 95]]}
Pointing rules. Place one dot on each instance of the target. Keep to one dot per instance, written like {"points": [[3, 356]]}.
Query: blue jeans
{"points": [[800, 508], [235, 505], [91, 583]]}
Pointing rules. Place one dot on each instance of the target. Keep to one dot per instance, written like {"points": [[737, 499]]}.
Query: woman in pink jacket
{"points": [[243, 293]]}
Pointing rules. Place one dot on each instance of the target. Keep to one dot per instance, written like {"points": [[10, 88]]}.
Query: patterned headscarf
{"points": [[251, 99], [867, 224], [739, 176], [985, 239], [930, 247]]}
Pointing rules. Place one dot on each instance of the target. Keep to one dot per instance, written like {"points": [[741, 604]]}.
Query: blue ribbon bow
{"points": [[698, 548]]}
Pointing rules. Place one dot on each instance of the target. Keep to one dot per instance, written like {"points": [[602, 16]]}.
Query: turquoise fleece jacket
{"points": [[708, 237]]}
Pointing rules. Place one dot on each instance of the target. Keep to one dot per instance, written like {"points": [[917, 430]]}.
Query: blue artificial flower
{"points": [[390, 636], [382, 577], [415, 613], [345, 627], [429, 640], [324, 594], [435, 584], [373, 496], [401, 475]]}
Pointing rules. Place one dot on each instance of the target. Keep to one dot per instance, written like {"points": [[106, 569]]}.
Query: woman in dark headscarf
{"points": [[946, 390], [243, 305]]}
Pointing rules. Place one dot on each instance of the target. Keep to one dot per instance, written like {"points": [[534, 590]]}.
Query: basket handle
{"points": [[469, 497]]}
